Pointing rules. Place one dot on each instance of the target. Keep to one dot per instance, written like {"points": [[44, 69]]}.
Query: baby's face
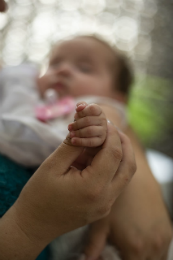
{"points": [[78, 67]]}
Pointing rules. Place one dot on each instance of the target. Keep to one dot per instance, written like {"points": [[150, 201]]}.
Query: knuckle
{"points": [[94, 195], [89, 130], [93, 109], [87, 120], [78, 141], [79, 133], [117, 153], [82, 113], [101, 205]]}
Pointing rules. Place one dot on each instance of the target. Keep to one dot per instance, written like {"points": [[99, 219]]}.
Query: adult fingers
{"points": [[127, 166], [97, 236], [62, 158]]}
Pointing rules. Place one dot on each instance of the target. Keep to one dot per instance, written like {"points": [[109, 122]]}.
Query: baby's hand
{"points": [[90, 126]]}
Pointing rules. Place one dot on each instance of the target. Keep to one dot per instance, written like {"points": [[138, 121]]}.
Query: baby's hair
{"points": [[124, 78]]}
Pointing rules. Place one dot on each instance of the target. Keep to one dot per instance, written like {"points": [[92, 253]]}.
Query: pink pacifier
{"points": [[54, 107]]}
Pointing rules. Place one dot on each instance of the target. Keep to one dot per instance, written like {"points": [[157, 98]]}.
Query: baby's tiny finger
{"points": [[90, 131], [87, 121], [87, 142], [76, 116], [90, 110], [80, 106]]}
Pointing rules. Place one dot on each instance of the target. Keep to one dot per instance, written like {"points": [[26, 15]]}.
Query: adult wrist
{"points": [[15, 243]]}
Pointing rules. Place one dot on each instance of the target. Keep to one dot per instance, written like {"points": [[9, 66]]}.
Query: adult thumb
{"points": [[97, 236], [63, 157]]}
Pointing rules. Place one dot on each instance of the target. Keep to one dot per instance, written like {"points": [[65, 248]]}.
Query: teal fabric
{"points": [[13, 177]]}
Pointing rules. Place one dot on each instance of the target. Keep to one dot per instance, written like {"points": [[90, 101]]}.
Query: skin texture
{"points": [[89, 130], [138, 224], [59, 192], [90, 126]]}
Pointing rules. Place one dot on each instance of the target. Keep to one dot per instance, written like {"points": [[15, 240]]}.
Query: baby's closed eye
{"points": [[85, 67]]}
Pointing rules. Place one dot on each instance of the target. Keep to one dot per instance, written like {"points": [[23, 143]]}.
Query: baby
{"points": [[85, 68]]}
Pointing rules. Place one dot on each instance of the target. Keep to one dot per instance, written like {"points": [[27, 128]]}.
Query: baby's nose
{"points": [[64, 69]]}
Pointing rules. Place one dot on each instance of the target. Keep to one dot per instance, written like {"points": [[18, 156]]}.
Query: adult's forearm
{"points": [[14, 242]]}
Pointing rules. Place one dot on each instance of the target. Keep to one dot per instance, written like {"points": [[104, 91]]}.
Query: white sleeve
{"points": [[26, 141], [23, 138]]}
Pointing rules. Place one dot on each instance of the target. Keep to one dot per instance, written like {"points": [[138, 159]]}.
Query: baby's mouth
{"points": [[59, 86], [61, 89]]}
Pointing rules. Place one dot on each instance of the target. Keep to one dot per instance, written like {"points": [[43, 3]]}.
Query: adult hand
{"points": [[140, 227], [139, 223], [140, 231], [59, 198]]}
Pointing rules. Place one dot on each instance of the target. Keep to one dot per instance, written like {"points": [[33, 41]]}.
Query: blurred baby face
{"points": [[79, 67]]}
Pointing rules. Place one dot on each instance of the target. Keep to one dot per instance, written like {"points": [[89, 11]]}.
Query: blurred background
{"points": [[141, 28]]}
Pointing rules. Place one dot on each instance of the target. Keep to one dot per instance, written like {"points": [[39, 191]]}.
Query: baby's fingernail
{"points": [[79, 103], [72, 134], [80, 106]]}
